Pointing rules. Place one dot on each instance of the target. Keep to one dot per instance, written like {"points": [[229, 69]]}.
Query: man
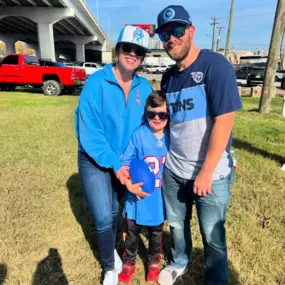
{"points": [[202, 96]]}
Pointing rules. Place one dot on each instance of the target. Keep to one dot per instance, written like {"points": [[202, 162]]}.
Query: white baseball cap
{"points": [[135, 35]]}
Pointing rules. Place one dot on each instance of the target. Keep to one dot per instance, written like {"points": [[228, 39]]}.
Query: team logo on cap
{"points": [[168, 14], [197, 76], [138, 36]]}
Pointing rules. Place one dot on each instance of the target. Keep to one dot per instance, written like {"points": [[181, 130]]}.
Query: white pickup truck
{"points": [[89, 67], [279, 75]]}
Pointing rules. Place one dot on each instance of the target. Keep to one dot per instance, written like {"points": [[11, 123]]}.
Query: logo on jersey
{"points": [[138, 99], [197, 76], [138, 36], [159, 143]]}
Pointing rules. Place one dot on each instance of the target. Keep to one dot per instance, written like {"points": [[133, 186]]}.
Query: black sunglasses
{"points": [[161, 115], [130, 47], [177, 32]]}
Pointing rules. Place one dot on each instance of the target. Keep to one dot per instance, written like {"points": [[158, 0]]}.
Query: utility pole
{"points": [[230, 29], [214, 27], [273, 56], [219, 35]]}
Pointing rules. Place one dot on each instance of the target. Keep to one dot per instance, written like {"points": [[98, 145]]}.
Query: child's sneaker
{"points": [[126, 274], [169, 274], [153, 272], [110, 278]]}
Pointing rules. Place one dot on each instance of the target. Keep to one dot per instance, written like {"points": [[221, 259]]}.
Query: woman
{"points": [[111, 107]]}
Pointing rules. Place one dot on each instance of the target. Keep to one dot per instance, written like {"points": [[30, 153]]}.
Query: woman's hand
{"points": [[123, 175]]}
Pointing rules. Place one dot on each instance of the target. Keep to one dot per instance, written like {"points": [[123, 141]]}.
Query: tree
{"points": [[273, 56]]}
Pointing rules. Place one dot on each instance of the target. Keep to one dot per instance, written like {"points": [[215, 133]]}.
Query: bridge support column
{"points": [[80, 52], [46, 41], [10, 47]]}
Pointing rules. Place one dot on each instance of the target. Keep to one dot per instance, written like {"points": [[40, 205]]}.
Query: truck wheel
{"points": [[52, 88], [283, 84], [248, 83]]}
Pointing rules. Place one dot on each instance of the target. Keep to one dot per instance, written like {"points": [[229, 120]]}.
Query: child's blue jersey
{"points": [[149, 211]]}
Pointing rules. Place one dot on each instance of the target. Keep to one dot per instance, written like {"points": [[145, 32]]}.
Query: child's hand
{"points": [[136, 189]]}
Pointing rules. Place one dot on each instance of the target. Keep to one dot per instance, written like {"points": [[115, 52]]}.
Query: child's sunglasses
{"points": [[177, 32], [130, 47], [161, 115]]}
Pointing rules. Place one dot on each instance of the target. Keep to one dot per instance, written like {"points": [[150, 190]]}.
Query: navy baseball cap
{"points": [[173, 13]]}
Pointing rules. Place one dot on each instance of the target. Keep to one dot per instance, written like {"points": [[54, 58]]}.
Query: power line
{"points": [[249, 15], [253, 44]]}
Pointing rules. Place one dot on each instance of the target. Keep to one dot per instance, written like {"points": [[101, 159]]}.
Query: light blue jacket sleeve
{"points": [[90, 128], [131, 150]]}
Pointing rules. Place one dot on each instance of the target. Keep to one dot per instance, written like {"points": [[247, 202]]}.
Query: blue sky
{"points": [[252, 22]]}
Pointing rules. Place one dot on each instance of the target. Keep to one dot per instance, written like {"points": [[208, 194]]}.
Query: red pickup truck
{"points": [[23, 69]]}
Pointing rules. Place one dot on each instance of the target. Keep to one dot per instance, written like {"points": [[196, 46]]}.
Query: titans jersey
{"points": [[196, 96], [149, 211]]}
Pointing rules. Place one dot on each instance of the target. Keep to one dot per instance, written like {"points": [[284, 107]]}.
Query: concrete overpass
{"points": [[53, 26]]}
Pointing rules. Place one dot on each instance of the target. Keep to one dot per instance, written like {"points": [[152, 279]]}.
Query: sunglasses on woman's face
{"points": [[177, 32], [161, 115], [136, 49]]}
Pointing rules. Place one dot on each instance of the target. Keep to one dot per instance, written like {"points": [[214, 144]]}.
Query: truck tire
{"points": [[52, 88], [283, 83]]}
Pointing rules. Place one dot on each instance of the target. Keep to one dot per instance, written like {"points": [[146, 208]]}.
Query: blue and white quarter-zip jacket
{"points": [[104, 120]]}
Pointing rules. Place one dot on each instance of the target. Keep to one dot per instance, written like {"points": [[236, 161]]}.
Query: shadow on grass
{"points": [[81, 212], [3, 273], [84, 217], [250, 148], [49, 270], [40, 91]]}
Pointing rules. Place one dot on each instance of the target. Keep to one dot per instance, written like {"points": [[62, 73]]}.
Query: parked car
{"points": [[89, 67], [242, 73], [51, 63], [280, 74], [24, 69], [256, 76]]}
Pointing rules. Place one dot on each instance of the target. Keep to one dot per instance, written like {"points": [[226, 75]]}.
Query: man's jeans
{"points": [[98, 185], [211, 210]]}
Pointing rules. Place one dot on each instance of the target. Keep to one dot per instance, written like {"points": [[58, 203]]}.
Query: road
{"points": [[157, 77]]}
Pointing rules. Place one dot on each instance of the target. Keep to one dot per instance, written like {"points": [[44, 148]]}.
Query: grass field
{"points": [[46, 229]]}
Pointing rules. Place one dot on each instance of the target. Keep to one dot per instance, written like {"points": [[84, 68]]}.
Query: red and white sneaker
{"points": [[126, 274], [153, 273]]}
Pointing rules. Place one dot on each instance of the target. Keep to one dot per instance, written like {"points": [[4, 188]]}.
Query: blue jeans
{"points": [[211, 211], [99, 185]]}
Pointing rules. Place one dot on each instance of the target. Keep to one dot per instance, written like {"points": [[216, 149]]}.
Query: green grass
{"points": [[45, 228]]}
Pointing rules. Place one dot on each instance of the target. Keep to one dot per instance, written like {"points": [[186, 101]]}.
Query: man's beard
{"points": [[182, 55]]}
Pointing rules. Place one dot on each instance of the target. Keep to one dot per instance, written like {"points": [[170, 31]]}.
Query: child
{"points": [[149, 142]]}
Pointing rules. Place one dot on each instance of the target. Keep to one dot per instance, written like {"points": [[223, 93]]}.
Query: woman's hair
{"points": [[117, 49], [155, 99]]}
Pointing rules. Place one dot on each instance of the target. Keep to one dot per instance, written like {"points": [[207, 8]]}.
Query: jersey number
{"points": [[154, 163]]}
